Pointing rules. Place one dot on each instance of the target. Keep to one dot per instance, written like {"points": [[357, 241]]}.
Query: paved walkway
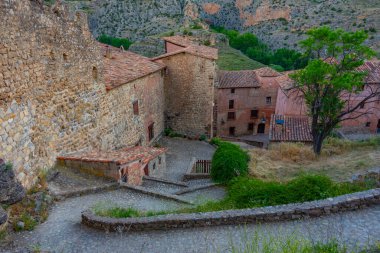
{"points": [[63, 232], [180, 152]]}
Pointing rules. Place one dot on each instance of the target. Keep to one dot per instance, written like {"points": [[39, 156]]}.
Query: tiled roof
{"points": [[179, 40], [122, 67], [189, 47], [238, 79], [290, 129], [267, 72], [373, 70], [119, 157]]}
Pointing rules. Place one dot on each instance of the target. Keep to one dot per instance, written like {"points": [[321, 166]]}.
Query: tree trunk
{"points": [[317, 144]]}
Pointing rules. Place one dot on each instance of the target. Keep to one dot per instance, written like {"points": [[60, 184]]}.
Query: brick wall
{"points": [[189, 92]]}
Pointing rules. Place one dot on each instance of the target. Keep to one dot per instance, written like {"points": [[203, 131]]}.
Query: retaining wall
{"points": [[233, 217]]}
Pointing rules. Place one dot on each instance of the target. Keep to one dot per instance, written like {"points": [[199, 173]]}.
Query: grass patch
{"points": [[244, 192], [233, 59], [34, 208], [340, 159]]}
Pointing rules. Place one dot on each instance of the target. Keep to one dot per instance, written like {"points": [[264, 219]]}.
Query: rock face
{"points": [[11, 191], [278, 23], [3, 217]]}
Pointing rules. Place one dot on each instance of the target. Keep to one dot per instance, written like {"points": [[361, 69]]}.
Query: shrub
{"points": [[229, 161], [116, 42], [309, 188]]}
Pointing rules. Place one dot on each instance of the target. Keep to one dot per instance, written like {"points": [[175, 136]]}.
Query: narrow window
{"points": [[250, 126], [136, 107], [232, 131], [254, 114], [231, 116], [368, 124], [269, 100], [151, 131], [232, 90], [231, 104], [154, 166], [159, 160], [65, 57], [95, 73]]}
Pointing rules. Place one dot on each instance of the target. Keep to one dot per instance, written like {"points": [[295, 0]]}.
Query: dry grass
{"points": [[339, 160]]}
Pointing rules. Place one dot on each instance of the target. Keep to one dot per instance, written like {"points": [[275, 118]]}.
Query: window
{"points": [[231, 104], [232, 90], [231, 116], [159, 160], [254, 114], [368, 124], [269, 100], [95, 73], [232, 131], [136, 107], [154, 166], [151, 131], [250, 126]]}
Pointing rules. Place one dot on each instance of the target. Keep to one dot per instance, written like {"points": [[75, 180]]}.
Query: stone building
{"points": [[189, 86], [61, 93], [245, 101]]}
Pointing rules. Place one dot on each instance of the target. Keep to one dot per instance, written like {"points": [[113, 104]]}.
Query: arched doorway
{"points": [[261, 128]]}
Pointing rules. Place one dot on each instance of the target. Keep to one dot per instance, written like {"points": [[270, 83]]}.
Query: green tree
{"points": [[331, 76], [288, 58]]}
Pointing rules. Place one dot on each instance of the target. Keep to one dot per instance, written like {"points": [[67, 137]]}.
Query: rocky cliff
{"points": [[279, 23]]}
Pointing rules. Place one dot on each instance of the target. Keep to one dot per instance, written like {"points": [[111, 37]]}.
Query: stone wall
{"points": [[50, 90], [234, 217], [120, 126], [189, 88]]}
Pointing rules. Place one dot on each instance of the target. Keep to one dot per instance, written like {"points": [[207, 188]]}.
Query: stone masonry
{"points": [[62, 92]]}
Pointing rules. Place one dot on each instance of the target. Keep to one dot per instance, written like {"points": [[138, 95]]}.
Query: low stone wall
{"points": [[232, 217]]}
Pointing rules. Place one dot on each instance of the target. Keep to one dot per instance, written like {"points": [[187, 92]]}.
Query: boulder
{"points": [[11, 191]]}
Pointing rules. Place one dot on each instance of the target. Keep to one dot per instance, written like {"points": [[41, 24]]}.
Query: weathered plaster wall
{"points": [[245, 100], [49, 89], [120, 126], [189, 93]]}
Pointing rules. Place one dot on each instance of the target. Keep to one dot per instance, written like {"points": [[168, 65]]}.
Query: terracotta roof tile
{"points": [[119, 157], [290, 129], [267, 72], [373, 70], [179, 40], [238, 79], [189, 47], [121, 67]]}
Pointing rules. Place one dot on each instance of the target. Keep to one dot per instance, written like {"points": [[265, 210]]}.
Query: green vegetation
{"points": [[171, 133], [232, 59], [324, 79], [116, 42], [229, 161], [252, 47], [293, 242], [245, 192]]}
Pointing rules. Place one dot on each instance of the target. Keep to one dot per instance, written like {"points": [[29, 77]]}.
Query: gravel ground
{"points": [[180, 152], [63, 232]]}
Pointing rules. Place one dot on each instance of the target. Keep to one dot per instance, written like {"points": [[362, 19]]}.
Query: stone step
{"points": [[166, 181], [155, 193], [195, 188]]}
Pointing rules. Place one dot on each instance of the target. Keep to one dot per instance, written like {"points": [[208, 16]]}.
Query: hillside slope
{"points": [[278, 23]]}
